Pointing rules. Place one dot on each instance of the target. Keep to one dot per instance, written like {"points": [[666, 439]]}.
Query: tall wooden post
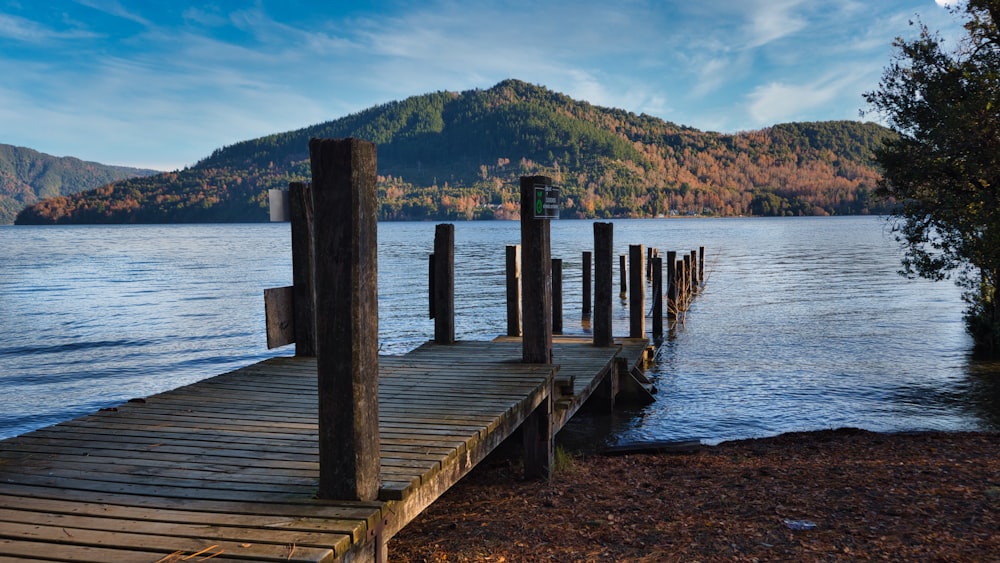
{"points": [[672, 293], [657, 295], [557, 300], [682, 283], [345, 201], [514, 290], [695, 280], [603, 283], [536, 277], [688, 278], [444, 284], [637, 296], [623, 270], [701, 263], [303, 265], [587, 277]]}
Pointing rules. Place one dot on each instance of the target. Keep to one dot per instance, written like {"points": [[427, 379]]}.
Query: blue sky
{"points": [[161, 84]]}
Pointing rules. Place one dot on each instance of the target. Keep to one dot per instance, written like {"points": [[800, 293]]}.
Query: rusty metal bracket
{"points": [[375, 535]]}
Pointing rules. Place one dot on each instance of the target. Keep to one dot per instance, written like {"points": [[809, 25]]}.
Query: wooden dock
{"points": [[226, 469]]}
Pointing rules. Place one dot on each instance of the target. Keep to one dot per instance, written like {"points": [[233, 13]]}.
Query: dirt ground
{"points": [[842, 495]]}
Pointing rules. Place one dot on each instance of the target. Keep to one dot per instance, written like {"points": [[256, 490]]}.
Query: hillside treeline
{"points": [[27, 176], [448, 156]]}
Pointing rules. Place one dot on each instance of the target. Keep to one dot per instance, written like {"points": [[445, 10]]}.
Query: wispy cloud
{"points": [[114, 8], [28, 31], [165, 85], [771, 20]]}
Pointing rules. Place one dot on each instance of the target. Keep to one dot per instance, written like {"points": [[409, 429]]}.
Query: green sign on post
{"points": [[546, 202]]}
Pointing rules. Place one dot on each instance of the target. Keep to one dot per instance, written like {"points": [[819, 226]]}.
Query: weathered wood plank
{"points": [[239, 450], [70, 538]]}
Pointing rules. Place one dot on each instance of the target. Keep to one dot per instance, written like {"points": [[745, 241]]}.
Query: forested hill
{"points": [[451, 155], [27, 176]]}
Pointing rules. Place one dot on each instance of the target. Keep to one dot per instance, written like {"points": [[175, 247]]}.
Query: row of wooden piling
{"points": [[684, 278]]}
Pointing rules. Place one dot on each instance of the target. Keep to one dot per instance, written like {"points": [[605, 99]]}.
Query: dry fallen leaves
{"points": [[867, 496]]}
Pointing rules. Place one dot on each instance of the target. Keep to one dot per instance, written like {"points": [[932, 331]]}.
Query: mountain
{"points": [[27, 176], [449, 155]]}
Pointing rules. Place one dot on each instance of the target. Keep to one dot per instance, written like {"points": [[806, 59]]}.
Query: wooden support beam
{"points": [[444, 284], [513, 290], [557, 298], [695, 280], [587, 280], [300, 201], [345, 201], [623, 271], [701, 264], [672, 284], [539, 441], [637, 295], [603, 283], [536, 277], [657, 287]]}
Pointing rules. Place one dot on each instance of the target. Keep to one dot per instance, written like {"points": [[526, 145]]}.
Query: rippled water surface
{"points": [[803, 323]]}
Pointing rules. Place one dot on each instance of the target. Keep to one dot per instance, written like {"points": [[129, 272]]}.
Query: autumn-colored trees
{"points": [[450, 156]]}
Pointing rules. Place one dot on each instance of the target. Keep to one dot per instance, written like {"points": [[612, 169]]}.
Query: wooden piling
{"points": [[688, 279], [672, 284], [701, 264], [637, 296], [623, 269], [587, 277], [513, 290], [345, 201], [536, 277], [683, 281], [303, 260], [444, 284], [657, 288], [695, 280], [557, 300], [603, 282]]}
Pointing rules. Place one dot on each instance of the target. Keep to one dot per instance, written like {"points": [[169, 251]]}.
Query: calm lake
{"points": [[803, 324]]}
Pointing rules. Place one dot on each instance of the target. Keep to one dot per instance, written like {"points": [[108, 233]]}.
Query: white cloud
{"points": [[834, 95], [773, 20], [114, 8], [22, 29]]}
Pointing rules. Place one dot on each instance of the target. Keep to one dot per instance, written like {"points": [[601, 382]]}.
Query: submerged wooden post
{"points": [[587, 277], [657, 295], [444, 284], [701, 264], [682, 285], [695, 280], [688, 279], [303, 265], [623, 269], [637, 297], [536, 277], [345, 201], [603, 282], [672, 284], [514, 290], [557, 300]]}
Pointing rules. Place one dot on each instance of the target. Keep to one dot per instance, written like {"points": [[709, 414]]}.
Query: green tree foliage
{"points": [[27, 176], [944, 166], [451, 156]]}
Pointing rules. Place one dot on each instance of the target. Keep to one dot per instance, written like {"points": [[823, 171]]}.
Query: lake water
{"points": [[803, 323]]}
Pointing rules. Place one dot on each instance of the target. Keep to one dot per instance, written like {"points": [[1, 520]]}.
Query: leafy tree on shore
{"points": [[943, 169]]}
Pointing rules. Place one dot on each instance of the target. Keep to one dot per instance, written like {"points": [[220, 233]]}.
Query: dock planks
{"points": [[226, 469]]}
